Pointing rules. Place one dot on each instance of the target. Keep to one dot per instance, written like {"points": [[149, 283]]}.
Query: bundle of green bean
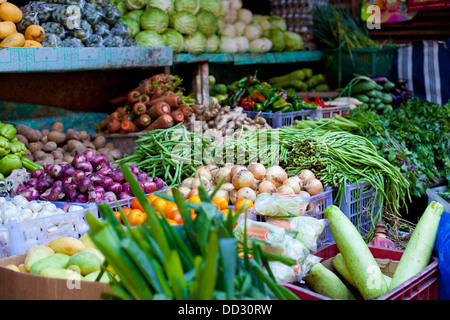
{"points": [[171, 154]]}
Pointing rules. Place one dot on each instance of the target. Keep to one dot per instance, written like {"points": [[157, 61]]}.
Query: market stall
{"points": [[215, 150]]}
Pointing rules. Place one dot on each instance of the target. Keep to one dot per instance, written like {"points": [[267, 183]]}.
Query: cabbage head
{"points": [[135, 4], [154, 19], [277, 22], [213, 43], [277, 38], [214, 6], [293, 41], [207, 23], [149, 38], [191, 6], [195, 43], [135, 14], [166, 5], [132, 24], [174, 39], [184, 22]]}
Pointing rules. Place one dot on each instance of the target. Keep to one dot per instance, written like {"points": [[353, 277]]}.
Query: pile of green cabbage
{"points": [[198, 26]]}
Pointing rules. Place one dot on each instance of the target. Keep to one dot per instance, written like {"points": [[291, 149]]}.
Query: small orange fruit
{"points": [[221, 203], [240, 204]]}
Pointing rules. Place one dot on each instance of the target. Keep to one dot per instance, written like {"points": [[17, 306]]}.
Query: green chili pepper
{"points": [[9, 163], [287, 109], [5, 146], [258, 107], [280, 104], [8, 131], [18, 148]]}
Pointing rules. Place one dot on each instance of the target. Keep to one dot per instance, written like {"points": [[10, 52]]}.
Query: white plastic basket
{"points": [[331, 111], [18, 237]]}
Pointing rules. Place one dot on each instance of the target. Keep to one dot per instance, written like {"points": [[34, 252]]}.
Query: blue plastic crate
{"points": [[278, 119], [360, 203]]}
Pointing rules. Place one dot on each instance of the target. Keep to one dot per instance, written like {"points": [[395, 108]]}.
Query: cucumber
{"points": [[362, 97], [420, 246], [294, 75], [366, 273], [340, 266], [364, 86], [327, 283], [375, 101], [388, 85], [386, 98], [379, 87]]}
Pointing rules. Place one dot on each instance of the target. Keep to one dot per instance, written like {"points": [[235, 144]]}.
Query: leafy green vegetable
{"points": [[149, 38], [184, 22], [154, 19]]}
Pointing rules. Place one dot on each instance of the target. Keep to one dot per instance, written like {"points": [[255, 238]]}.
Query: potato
{"points": [[57, 154], [22, 139], [110, 145], [99, 142], [88, 144], [58, 126], [78, 150], [73, 135], [29, 155], [67, 158], [45, 132], [104, 150], [39, 155], [84, 135], [49, 146], [115, 154], [56, 136], [31, 134], [72, 144]]}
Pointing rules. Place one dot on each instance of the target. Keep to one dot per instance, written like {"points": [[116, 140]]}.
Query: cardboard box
{"points": [[25, 286]]}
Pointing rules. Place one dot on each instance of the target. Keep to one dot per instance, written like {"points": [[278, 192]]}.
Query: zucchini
{"points": [[294, 75], [420, 246], [326, 282], [376, 101], [380, 106], [374, 94], [367, 275], [364, 86], [388, 85], [362, 97], [386, 97], [379, 87]]}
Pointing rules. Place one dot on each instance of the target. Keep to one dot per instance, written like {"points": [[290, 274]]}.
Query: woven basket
{"points": [[298, 16]]}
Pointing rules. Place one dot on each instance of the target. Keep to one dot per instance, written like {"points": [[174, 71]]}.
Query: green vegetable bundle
{"points": [[12, 152], [197, 260]]}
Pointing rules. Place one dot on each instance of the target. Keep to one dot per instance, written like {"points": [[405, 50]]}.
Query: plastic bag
{"points": [[295, 273], [305, 229], [272, 204]]}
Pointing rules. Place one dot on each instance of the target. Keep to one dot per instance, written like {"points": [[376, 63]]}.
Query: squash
{"points": [[7, 28], [32, 44], [34, 32], [13, 40], [10, 12]]}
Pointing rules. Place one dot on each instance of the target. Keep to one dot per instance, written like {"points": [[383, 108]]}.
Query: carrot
{"points": [[114, 126], [177, 116], [121, 112], [187, 111], [129, 126], [105, 122], [115, 116], [133, 96], [154, 101], [258, 232], [145, 99], [173, 100], [157, 93], [157, 77], [159, 109], [139, 108], [120, 99], [142, 86], [163, 122], [143, 121]]}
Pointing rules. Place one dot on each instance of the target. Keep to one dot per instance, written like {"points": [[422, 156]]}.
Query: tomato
{"points": [[221, 203], [135, 204], [118, 215], [160, 204], [195, 199], [170, 207], [151, 197], [136, 217], [240, 204]]}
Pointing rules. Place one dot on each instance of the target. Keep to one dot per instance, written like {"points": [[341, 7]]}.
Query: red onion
{"points": [[109, 196], [134, 169], [68, 171], [84, 166], [84, 185], [65, 207], [29, 193], [105, 170], [47, 167], [55, 171], [57, 183], [81, 198], [95, 196], [37, 173], [89, 154], [44, 183], [96, 179], [149, 186], [71, 190], [46, 194], [98, 161], [20, 189], [32, 182], [124, 195], [99, 189], [115, 187], [56, 193], [78, 158], [159, 183], [78, 175], [126, 187], [117, 176], [67, 180], [106, 182], [142, 176]]}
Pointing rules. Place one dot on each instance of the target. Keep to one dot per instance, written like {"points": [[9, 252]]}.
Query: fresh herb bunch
{"points": [[195, 261]]}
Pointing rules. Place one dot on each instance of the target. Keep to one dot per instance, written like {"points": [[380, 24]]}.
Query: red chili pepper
{"points": [[258, 97], [247, 104]]}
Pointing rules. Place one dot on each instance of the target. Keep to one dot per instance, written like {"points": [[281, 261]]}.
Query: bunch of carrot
{"points": [[157, 103]]}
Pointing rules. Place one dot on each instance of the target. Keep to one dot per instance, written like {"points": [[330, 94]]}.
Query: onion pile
{"points": [[88, 178], [241, 182]]}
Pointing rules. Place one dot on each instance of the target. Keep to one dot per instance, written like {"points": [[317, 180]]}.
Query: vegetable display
{"points": [[56, 145], [213, 26], [302, 80], [13, 152], [88, 178], [157, 103], [76, 23], [177, 252]]}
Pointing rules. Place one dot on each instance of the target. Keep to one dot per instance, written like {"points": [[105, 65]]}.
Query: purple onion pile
{"points": [[88, 178]]}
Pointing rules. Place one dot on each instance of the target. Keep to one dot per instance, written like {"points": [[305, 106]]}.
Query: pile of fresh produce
{"points": [[157, 103], [21, 209], [13, 152], [218, 122], [302, 80], [205, 26], [247, 182], [56, 145], [70, 23], [254, 95], [415, 138], [65, 258], [223, 275], [12, 31], [379, 94], [88, 178]]}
